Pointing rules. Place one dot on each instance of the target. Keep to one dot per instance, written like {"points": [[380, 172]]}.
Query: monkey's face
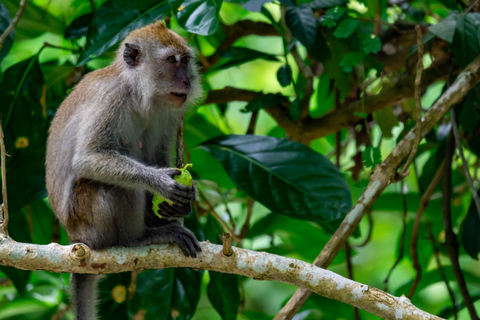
{"points": [[170, 71]]}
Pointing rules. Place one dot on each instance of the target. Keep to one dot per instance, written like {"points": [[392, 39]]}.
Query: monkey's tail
{"points": [[84, 294]]}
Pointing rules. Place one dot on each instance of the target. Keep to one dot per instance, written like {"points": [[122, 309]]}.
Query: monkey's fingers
{"points": [[182, 194], [174, 211], [188, 243], [172, 172]]}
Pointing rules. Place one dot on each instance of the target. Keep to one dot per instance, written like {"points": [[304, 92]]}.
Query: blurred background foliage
{"points": [[295, 90]]}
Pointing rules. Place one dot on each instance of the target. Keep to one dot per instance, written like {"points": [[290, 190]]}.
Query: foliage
{"points": [[295, 62]]}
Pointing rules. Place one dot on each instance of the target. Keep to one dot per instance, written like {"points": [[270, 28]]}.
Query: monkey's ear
{"points": [[131, 54]]}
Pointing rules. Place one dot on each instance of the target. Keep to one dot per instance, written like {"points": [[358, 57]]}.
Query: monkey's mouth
{"points": [[182, 96]]}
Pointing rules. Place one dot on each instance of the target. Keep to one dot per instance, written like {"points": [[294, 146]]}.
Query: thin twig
{"points": [[132, 287], [4, 222], [217, 216], [451, 243], [413, 244], [14, 22], [436, 254], [246, 225], [472, 5], [252, 123], [456, 134], [227, 244], [370, 229], [92, 5], [418, 102], [180, 143], [49, 45], [402, 237]]}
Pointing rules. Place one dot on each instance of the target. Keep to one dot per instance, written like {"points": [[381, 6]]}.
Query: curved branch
{"points": [[310, 129], [12, 25], [383, 175], [78, 258]]}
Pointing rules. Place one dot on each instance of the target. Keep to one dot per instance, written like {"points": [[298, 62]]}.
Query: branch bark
{"points": [[78, 258], [14, 22], [383, 175], [309, 129]]}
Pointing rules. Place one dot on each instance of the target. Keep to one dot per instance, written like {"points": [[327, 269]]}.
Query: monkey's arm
{"points": [[111, 167]]}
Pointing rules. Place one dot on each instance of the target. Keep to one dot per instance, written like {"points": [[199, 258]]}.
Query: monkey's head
{"points": [[162, 65]]}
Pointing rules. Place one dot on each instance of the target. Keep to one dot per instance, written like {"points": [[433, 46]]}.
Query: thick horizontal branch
{"points": [[310, 129], [78, 258], [383, 175]]}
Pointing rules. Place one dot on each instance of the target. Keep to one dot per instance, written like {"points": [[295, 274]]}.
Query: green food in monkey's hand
{"points": [[184, 178]]}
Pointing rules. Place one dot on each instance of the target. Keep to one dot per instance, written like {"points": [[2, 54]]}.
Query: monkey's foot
{"points": [[176, 234]]}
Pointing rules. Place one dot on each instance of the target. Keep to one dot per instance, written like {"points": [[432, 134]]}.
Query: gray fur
{"points": [[109, 150]]}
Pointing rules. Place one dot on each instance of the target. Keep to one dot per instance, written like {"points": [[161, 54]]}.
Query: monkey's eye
{"points": [[171, 59], [185, 59]]}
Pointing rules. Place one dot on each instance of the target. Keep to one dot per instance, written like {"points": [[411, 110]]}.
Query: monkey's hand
{"points": [[174, 211], [174, 191], [173, 233]]}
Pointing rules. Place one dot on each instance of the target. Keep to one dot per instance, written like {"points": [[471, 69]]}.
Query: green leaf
{"points": [[35, 20], [115, 19], [235, 56], [371, 156], [350, 60], [346, 27], [465, 41], [25, 126], [79, 27], [296, 109], [154, 294], [4, 23], [22, 308], [266, 101], [284, 75], [445, 29], [301, 21], [370, 43], [285, 176], [361, 114], [471, 231], [197, 16], [329, 19], [317, 4], [186, 292], [224, 295]]}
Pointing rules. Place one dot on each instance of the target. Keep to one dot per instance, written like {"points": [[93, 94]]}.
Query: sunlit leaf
{"points": [[114, 20], [285, 176], [197, 16]]}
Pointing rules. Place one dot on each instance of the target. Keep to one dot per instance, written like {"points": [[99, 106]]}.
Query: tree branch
{"points": [[310, 129], [78, 258], [14, 22], [383, 175]]}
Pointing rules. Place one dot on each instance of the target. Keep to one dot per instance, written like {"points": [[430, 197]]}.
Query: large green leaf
{"points": [[469, 116], [25, 125], [471, 231], [115, 19], [301, 21], [445, 29], [223, 293], [235, 56], [465, 40], [35, 20], [4, 23], [346, 27], [79, 27], [285, 176], [186, 292], [198, 16]]}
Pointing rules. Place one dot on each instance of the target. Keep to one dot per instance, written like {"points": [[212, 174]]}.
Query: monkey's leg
{"points": [[172, 233], [84, 290]]}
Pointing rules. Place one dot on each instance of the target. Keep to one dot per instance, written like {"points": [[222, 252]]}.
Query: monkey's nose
{"points": [[186, 83]]}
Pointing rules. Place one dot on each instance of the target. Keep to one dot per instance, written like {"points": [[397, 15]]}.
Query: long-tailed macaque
{"points": [[109, 150]]}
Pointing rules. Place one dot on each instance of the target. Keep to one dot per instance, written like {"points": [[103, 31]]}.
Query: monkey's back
{"points": [[82, 204]]}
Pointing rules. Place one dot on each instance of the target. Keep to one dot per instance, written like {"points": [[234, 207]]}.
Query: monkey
{"points": [[109, 150]]}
